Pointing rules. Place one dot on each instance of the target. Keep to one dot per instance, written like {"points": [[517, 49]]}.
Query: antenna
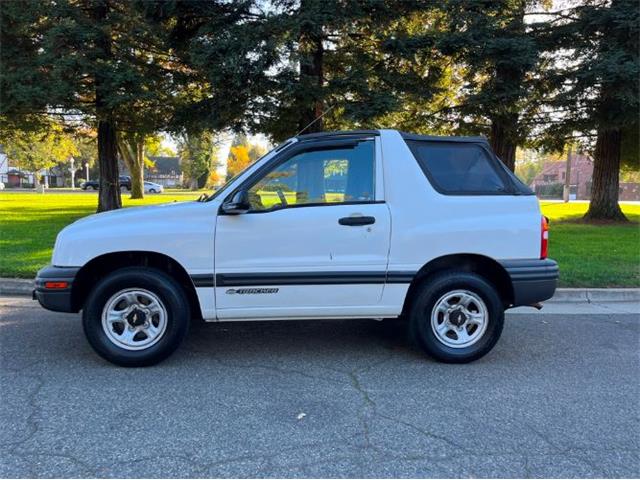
{"points": [[315, 120]]}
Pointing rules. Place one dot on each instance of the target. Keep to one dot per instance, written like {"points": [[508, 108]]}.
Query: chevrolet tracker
{"points": [[362, 224]]}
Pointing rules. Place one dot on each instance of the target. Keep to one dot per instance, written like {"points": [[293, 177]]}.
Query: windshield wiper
{"points": [[203, 198]]}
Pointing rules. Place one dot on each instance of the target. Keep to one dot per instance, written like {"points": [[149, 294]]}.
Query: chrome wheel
{"points": [[134, 319], [459, 318]]}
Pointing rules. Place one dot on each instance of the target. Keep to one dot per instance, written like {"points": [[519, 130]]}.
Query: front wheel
{"points": [[456, 317], [136, 317]]}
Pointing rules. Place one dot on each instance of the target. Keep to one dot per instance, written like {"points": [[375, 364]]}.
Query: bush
{"points": [[552, 190]]}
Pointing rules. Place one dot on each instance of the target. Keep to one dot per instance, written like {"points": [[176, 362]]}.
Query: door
{"points": [[314, 243]]}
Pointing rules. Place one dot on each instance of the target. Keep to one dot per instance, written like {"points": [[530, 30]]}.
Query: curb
{"points": [[596, 295], [16, 286], [21, 286]]}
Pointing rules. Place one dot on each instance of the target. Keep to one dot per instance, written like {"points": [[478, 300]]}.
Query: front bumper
{"points": [[533, 281], [55, 299]]}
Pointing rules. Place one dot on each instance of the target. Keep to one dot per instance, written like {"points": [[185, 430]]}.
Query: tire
{"points": [[95, 187], [445, 328], [151, 190], [167, 316]]}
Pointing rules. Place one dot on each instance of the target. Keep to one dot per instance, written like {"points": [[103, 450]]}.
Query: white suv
{"points": [[362, 224]]}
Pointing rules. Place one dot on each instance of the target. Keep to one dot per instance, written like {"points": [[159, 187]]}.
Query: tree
{"points": [[501, 60], [39, 150], [197, 151], [330, 71], [597, 87], [93, 59], [242, 153], [219, 61], [237, 160]]}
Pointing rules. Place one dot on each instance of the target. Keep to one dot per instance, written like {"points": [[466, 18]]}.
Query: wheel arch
{"points": [[482, 265], [95, 269]]}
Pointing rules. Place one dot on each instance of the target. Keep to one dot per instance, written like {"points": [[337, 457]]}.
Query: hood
{"points": [[160, 228], [133, 213]]}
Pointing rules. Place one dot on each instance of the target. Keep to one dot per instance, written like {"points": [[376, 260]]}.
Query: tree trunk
{"points": [[311, 52], [606, 178], [109, 194], [509, 78], [131, 148], [501, 141]]}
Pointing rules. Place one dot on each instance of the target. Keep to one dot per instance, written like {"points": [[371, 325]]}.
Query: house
{"points": [[166, 171], [550, 181]]}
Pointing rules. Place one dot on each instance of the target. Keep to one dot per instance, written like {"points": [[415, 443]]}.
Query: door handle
{"points": [[357, 221]]}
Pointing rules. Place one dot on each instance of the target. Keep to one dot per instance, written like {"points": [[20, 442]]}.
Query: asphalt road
{"points": [[558, 397]]}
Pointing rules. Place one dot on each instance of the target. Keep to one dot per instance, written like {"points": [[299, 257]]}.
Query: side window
{"points": [[335, 175], [458, 168]]}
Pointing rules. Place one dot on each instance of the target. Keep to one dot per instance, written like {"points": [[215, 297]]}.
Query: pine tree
{"points": [[92, 59], [598, 91], [500, 58]]}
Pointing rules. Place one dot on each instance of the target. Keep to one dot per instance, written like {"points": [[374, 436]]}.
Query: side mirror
{"points": [[238, 204]]}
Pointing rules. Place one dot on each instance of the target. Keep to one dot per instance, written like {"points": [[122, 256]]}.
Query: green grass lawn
{"points": [[594, 255], [589, 255]]}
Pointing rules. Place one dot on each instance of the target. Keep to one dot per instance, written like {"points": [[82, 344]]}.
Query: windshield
{"points": [[224, 188]]}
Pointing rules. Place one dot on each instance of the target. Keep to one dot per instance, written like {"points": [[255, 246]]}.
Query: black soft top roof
{"points": [[435, 138], [338, 133], [405, 136]]}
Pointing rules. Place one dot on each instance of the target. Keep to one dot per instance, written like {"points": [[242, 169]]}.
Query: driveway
{"points": [[558, 397]]}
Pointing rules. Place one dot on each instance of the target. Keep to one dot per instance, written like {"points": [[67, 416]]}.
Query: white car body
{"points": [[301, 263]]}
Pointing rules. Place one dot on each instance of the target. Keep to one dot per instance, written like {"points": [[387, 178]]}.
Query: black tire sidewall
{"points": [[156, 281], [431, 292]]}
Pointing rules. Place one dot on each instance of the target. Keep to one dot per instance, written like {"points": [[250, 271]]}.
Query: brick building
{"points": [[554, 173]]}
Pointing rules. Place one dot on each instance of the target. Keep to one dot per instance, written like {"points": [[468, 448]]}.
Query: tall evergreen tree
{"points": [[597, 91], [328, 75], [500, 58], [91, 58]]}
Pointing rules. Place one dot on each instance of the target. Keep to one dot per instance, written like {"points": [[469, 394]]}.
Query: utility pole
{"points": [[567, 177], [86, 171], [73, 172]]}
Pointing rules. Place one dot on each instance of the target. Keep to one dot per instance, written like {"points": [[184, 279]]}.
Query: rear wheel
{"points": [[136, 317], [456, 317]]}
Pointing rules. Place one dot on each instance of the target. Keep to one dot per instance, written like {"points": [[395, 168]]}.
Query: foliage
{"points": [[595, 87], [39, 150], [98, 62], [237, 160], [522, 72], [197, 153], [551, 190], [242, 153]]}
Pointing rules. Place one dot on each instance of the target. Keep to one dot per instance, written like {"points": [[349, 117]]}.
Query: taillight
{"points": [[544, 238], [55, 285]]}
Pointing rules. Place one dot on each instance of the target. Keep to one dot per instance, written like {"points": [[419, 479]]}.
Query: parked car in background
{"points": [[365, 224], [125, 183], [150, 187]]}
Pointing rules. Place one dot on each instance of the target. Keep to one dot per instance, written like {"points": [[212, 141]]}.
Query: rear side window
{"points": [[458, 168]]}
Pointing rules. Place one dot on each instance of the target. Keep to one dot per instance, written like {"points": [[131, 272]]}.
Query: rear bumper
{"points": [[55, 299], [533, 281]]}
